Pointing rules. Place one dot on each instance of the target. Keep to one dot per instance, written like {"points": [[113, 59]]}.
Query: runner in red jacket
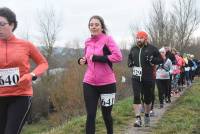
{"points": [[15, 75]]}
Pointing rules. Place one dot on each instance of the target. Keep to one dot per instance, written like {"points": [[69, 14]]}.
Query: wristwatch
{"points": [[34, 77]]}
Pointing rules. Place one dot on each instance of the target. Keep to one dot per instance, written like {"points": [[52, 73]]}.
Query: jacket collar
{"points": [[97, 37], [12, 37]]}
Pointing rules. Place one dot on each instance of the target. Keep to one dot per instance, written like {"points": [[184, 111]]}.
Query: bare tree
{"points": [[158, 26], [49, 27], [170, 31], [187, 17], [174, 28]]}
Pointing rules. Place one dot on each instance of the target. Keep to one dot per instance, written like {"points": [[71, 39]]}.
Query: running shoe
{"points": [[138, 122], [151, 113], [146, 121]]}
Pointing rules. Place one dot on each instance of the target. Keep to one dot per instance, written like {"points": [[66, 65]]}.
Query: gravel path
{"points": [[158, 114]]}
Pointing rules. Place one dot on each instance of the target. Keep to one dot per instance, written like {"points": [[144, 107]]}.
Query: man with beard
{"points": [[142, 59]]}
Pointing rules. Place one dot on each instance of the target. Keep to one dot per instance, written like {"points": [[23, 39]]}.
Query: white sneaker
{"points": [[152, 113], [138, 122]]}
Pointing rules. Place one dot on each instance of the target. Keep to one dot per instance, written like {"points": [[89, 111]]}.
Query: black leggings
{"points": [[163, 87], [91, 97], [13, 111]]}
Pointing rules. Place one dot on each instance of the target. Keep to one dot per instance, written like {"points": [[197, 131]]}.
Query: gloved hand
{"points": [[25, 80], [149, 59], [131, 64]]}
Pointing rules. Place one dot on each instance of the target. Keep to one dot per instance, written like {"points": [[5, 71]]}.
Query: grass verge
{"points": [[122, 113], [183, 117]]}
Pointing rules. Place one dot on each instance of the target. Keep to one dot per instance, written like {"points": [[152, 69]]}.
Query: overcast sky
{"points": [[118, 15]]}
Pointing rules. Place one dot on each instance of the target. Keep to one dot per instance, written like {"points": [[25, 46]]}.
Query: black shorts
{"points": [[143, 91]]}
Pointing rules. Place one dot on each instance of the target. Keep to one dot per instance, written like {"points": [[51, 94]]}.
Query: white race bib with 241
{"points": [[137, 71], [9, 76], [107, 99]]}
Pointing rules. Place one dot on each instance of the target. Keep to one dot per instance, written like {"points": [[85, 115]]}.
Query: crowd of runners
{"points": [[176, 72]]}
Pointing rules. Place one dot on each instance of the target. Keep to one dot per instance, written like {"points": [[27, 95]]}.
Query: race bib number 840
{"points": [[9, 77], [107, 99]]}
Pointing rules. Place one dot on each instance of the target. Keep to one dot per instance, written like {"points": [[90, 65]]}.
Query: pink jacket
{"points": [[179, 64], [99, 73]]}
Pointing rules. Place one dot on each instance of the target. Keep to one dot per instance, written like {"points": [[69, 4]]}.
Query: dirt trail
{"points": [[158, 114]]}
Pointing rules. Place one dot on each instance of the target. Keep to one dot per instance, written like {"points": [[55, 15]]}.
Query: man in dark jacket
{"points": [[142, 59]]}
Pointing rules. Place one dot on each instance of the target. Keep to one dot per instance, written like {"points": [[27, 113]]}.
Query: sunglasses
{"points": [[3, 24]]}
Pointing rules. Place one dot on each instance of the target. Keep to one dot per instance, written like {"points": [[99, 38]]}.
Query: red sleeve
{"points": [[39, 59]]}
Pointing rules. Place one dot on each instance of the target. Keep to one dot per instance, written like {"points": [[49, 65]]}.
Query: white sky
{"points": [[118, 15]]}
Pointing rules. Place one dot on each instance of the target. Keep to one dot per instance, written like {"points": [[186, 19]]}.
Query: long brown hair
{"points": [[101, 21]]}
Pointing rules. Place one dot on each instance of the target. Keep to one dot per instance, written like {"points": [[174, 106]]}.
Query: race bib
{"points": [[187, 68], [174, 67], [9, 76], [107, 99], [137, 71]]}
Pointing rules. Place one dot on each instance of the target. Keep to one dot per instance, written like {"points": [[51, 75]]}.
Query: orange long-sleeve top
{"points": [[16, 53]]}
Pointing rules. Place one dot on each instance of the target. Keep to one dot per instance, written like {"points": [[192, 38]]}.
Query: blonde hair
{"points": [[174, 50]]}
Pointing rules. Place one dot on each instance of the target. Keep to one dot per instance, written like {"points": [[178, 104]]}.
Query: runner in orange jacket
{"points": [[15, 76]]}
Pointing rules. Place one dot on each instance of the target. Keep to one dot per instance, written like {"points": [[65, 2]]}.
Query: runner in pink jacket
{"points": [[99, 71], [99, 81]]}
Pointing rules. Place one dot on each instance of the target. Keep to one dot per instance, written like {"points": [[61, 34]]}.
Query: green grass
{"points": [[36, 128], [183, 117], [122, 113]]}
